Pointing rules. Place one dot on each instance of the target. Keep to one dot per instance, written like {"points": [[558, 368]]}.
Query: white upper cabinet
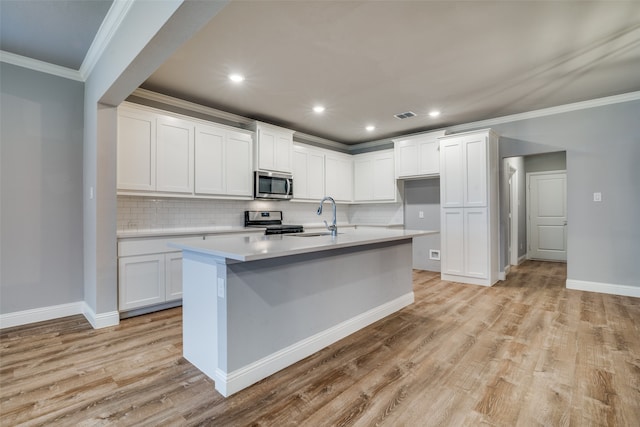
{"points": [[338, 176], [209, 159], [223, 162], [452, 174], [174, 155], [274, 148], [418, 156], [463, 160], [239, 170], [308, 173], [136, 146], [374, 177], [168, 154]]}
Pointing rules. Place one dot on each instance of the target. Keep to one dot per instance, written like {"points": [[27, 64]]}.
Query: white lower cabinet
{"points": [[465, 242], [173, 276], [149, 272], [141, 281]]}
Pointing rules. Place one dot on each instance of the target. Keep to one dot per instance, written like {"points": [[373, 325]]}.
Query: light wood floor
{"points": [[524, 352]]}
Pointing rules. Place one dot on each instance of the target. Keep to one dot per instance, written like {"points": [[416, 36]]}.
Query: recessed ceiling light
{"points": [[236, 78], [318, 109], [370, 128], [434, 113]]}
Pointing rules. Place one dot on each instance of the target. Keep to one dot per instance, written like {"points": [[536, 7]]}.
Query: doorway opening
{"points": [[540, 239]]}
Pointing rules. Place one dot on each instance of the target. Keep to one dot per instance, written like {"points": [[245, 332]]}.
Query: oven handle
{"points": [[289, 187]]}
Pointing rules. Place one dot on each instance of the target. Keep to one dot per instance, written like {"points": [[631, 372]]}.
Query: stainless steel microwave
{"points": [[273, 185]]}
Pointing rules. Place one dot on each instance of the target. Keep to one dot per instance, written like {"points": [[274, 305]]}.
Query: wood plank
{"points": [[524, 352]]}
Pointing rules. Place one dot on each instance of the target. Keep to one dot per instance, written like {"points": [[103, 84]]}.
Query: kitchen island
{"points": [[255, 304]]}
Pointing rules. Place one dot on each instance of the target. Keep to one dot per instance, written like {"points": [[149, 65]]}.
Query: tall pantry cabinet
{"points": [[469, 207]]}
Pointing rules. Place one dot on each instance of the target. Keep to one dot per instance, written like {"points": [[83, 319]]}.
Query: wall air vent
{"points": [[406, 115]]}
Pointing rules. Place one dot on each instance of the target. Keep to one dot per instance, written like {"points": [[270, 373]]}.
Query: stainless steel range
{"points": [[272, 220]]}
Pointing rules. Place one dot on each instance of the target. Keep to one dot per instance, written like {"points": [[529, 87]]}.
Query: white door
{"points": [[547, 215]]}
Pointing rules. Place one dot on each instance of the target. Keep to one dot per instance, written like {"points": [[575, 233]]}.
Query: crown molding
{"points": [[191, 106], [115, 15], [41, 66], [316, 140], [583, 105]]}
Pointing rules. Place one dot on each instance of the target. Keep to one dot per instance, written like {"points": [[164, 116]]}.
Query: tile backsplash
{"points": [[150, 213]]}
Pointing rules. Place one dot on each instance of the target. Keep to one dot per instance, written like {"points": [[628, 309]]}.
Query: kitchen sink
{"points": [[310, 234]]}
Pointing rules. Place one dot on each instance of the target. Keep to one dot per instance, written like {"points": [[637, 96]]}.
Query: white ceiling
{"points": [[368, 60]]}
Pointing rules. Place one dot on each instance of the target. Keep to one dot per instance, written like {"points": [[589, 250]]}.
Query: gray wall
{"points": [[423, 195], [545, 162], [41, 190], [602, 147]]}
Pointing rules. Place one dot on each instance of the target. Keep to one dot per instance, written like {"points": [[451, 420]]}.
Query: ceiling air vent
{"points": [[406, 115]]}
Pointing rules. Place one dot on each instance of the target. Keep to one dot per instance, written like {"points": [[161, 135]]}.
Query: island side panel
{"points": [[200, 312], [276, 303]]}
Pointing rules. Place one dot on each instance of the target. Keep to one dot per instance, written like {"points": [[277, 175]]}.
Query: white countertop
{"points": [[258, 246], [225, 229]]}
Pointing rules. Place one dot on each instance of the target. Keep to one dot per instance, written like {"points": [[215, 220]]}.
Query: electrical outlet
{"points": [[434, 254], [597, 197], [421, 214]]}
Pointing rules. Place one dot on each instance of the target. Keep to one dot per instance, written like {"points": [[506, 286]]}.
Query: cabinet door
{"points": [[174, 155], [173, 276], [308, 173], [407, 158], [451, 174], [429, 152], [283, 152], [315, 175], [209, 160], [136, 146], [141, 281], [452, 241], [384, 178], [300, 173], [475, 170], [239, 171], [266, 149], [363, 179], [339, 177], [476, 242]]}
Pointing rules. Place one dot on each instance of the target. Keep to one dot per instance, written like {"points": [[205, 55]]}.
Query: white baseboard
{"points": [[604, 288], [101, 320], [41, 314], [522, 259], [239, 379], [502, 275]]}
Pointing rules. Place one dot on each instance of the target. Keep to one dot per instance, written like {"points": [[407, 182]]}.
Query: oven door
{"points": [[272, 185]]}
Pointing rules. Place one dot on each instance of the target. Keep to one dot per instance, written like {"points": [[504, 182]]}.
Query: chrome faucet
{"points": [[333, 228]]}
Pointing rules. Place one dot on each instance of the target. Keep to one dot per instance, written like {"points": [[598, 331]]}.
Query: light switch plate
{"points": [[597, 197], [421, 214]]}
